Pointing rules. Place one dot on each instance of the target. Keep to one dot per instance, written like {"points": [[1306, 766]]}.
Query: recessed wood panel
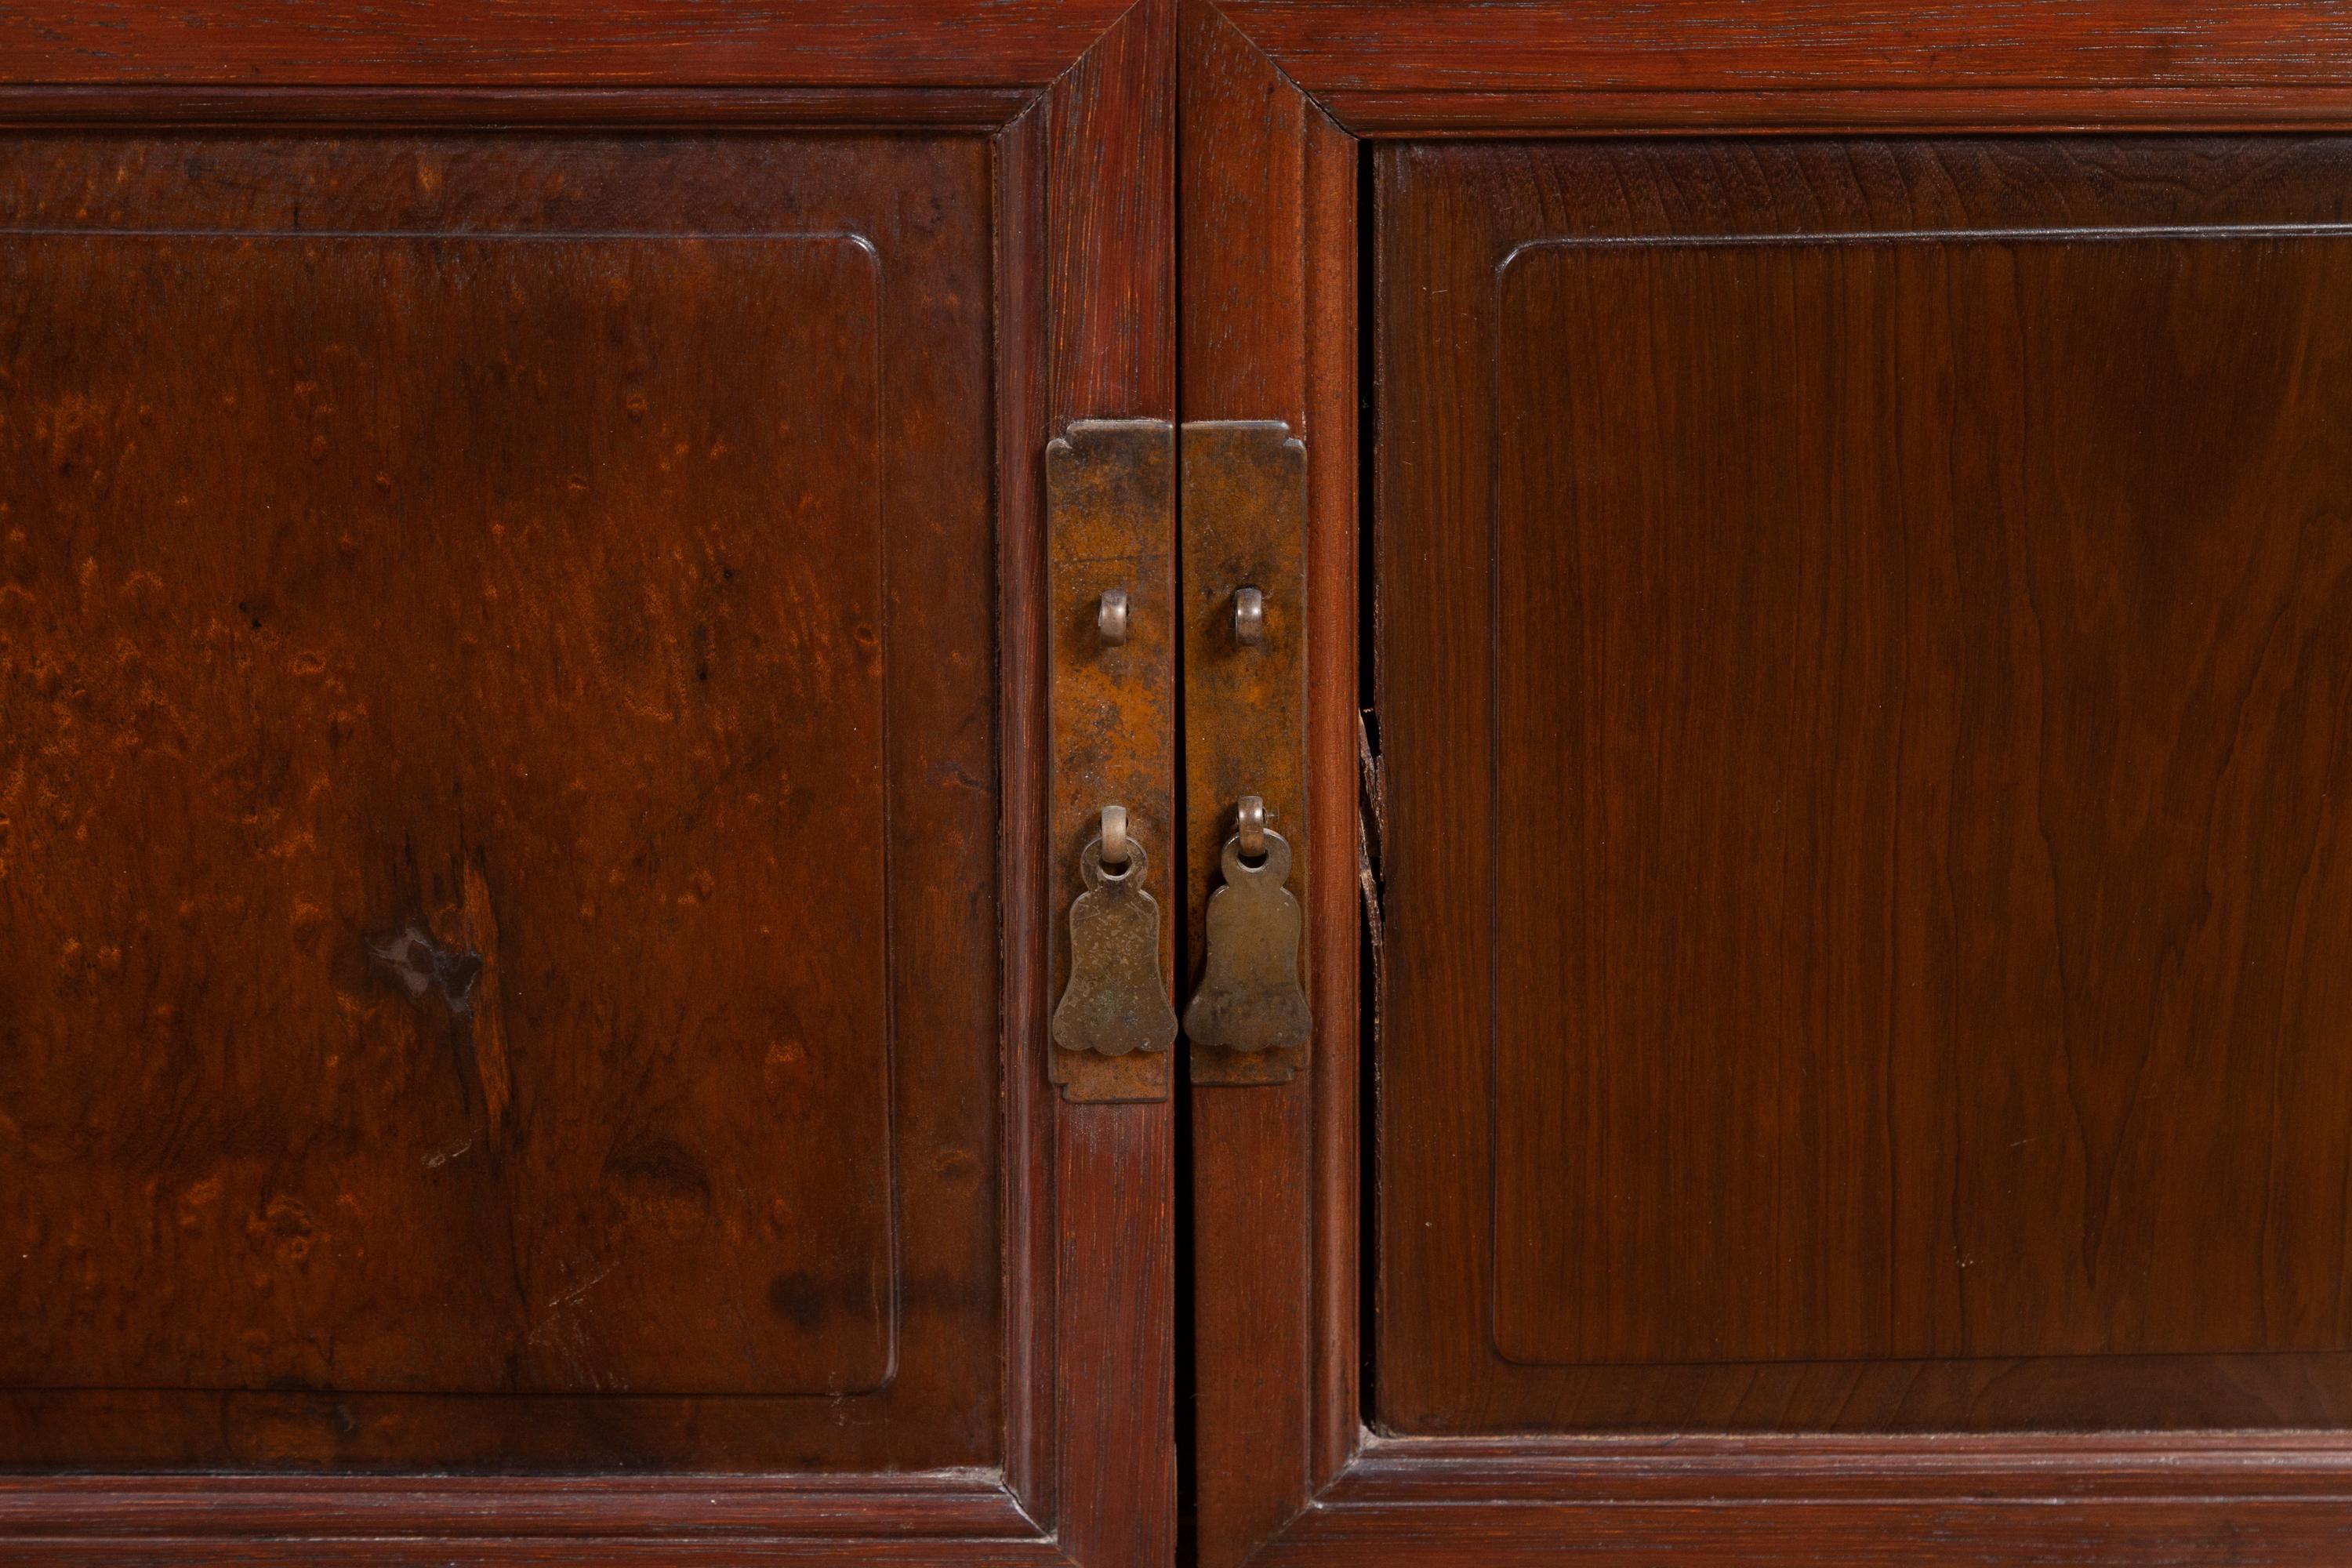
{"points": [[451, 816], [1939, 686], [487, 711], [1865, 652]]}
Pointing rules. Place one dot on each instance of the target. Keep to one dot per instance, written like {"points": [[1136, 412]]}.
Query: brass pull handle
{"points": [[1250, 999], [1115, 1002]]}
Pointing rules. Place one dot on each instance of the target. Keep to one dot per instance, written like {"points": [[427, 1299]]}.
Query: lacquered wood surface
{"points": [[1269, 193], [1066, 112], [1864, 721], [433, 43], [1087, 302], [1540, 67], [491, 706]]}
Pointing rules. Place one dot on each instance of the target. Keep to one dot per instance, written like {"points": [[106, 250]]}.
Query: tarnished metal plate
{"points": [[1244, 526], [1110, 497]]}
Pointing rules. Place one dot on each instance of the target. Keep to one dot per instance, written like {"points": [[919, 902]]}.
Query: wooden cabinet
{"points": [[559, 672]]}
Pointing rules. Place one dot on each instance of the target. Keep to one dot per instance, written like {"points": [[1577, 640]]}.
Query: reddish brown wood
{"points": [[1108, 199], [385, 1174], [2165, 1498], [1753, 1470], [357, 1511], [1082, 290], [276, 1209], [653, 43], [1477, 67], [2125, 1232], [511, 108], [1268, 199]]}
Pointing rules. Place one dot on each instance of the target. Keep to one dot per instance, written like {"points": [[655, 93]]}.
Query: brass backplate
{"points": [[1110, 509], [1244, 526]]}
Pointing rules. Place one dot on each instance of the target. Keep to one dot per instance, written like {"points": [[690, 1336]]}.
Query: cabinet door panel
{"points": [[1864, 664], [497, 650]]}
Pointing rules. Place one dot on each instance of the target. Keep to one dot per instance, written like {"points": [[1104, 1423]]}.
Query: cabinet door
{"points": [[1857, 654], [1867, 786], [524, 924]]}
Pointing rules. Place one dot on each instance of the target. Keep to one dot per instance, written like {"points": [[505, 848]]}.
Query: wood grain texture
{"points": [[491, 563], [1094, 160], [357, 1512], [147, 105], [1081, 290], [287, 1106], [659, 43], [2067, 917], [2167, 1532], [2166, 1497], [1929, 654], [1482, 67], [1268, 201]]}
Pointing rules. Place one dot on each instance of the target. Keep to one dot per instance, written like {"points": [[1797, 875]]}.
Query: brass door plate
{"points": [[1245, 527], [1110, 518]]}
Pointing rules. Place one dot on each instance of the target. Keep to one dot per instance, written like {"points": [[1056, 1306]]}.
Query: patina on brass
{"points": [[1111, 516], [1115, 1002], [1244, 528], [1249, 1001]]}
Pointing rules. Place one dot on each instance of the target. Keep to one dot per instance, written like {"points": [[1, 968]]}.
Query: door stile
{"points": [[1268, 187], [1091, 247]]}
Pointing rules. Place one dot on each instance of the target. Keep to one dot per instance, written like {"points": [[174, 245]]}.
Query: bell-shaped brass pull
{"points": [[1250, 999], [1114, 1001]]}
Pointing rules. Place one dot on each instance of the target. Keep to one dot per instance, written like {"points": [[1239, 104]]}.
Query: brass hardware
{"points": [[1110, 510], [1249, 616], [1115, 1002], [1110, 616], [1245, 510], [1249, 827], [1249, 1001]]}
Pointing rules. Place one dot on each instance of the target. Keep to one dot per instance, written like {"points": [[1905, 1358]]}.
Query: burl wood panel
{"points": [[487, 713], [1869, 766], [317, 752]]}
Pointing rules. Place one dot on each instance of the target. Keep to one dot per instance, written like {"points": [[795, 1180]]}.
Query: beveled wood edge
{"points": [[1784, 1468], [2250, 1498], [149, 106], [1379, 97], [1837, 111], [1018, 157], [228, 1509]]}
